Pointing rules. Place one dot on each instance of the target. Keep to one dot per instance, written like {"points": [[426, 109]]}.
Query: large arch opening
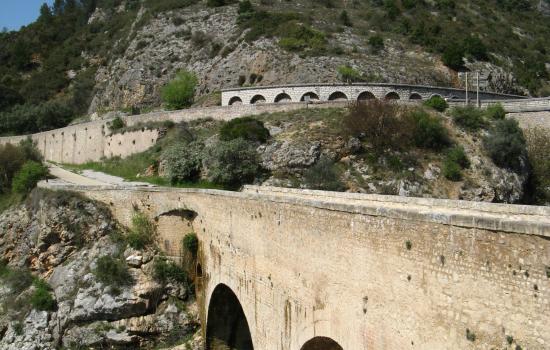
{"points": [[282, 97], [321, 343], [311, 96], [392, 96], [415, 96], [337, 96], [257, 99], [365, 96], [235, 100], [227, 327]]}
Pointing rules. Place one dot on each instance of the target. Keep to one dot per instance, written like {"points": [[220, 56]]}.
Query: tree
{"points": [[453, 56], [376, 42], [344, 19], [348, 74], [179, 92]]}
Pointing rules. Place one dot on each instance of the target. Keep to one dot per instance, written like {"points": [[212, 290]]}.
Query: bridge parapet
{"points": [[362, 271]]}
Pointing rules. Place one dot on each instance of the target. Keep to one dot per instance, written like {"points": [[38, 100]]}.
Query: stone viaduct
{"points": [[344, 92], [282, 269]]}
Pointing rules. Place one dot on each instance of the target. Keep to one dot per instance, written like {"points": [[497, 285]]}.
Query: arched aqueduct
{"points": [[349, 92]]}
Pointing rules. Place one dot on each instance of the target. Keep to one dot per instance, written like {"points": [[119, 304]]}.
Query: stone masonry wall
{"points": [[370, 272]]}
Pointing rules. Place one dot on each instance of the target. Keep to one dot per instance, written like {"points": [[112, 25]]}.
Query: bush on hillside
{"points": [[437, 102], [428, 131], [376, 42], [183, 161], [495, 111], [143, 231], [349, 75], [112, 272], [167, 271], [453, 56], [468, 117], [538, 150], [378, 122], [297, 37], [506, 145], [247, 128], [232, 163], [28, 176], [12, 159], [344, 19], [116, 124], [41, 298], [452, 170], [323, 176], [458, 155], [180, 91]]}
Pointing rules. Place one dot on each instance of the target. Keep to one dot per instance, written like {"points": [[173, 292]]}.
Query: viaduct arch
{"points": [[321, 343]]}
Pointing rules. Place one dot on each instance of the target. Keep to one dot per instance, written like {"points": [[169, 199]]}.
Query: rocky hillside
{"points": [[69, 280], [91, 56]]}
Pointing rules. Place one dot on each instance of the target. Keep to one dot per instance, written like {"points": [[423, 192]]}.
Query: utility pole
{"points": [[477, 96], [467, 102]]}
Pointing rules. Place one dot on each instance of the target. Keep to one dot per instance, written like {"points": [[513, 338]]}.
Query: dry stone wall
{"points": [[370, 272]]}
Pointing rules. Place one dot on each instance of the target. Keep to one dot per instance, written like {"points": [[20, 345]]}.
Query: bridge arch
{"points": [[282, 97], [321, 343], [257, 99], [392, 95], [366, 95], [312, 96], [436, 95], [415, 96], [226, 325], [337, 96], [235, 100]]}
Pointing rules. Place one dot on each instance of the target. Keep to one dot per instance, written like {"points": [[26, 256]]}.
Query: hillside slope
{"points": [[90, 56]]}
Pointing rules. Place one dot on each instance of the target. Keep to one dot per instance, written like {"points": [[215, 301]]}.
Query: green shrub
{"points": [[380, 123], [506, 145], [453, 56], [26, 179], [297, 37], [538, 146], [437, 102], [344, 19], [41, 298], [112, 272], [17, 279], [180, 91], [376, 42], [247, 128], [232, 163], [349, 75], [116, 124], [458, 155], [142, 233], [215, 3], [468, 117], [167, 271], [428, 131], [183, 161], [191, 243], [452, 170], [323, 176], [495, 111]]}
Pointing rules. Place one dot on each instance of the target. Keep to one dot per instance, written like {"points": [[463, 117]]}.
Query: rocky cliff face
{"points": [[59, 237], [209, 42]]}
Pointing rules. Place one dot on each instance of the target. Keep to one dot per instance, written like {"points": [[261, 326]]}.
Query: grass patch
{"points": [[113, 272], [142, 233]]}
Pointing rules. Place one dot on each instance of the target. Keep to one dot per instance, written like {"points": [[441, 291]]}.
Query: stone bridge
{"points": [[345, 92], [282, 269]]}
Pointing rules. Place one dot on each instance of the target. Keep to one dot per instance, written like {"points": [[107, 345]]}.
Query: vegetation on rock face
{"points": [[167, 271], [437, 102], [469, 117], [495, 112], [28, 176], [506, 145], [113, 272], [180, 91], [41, 298], [143, 231], [232, 163], [183, 161], [247, 128], [349, 75], [191, 243], [428, 131], [324, 175], [455, 161], [538, 150]]}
